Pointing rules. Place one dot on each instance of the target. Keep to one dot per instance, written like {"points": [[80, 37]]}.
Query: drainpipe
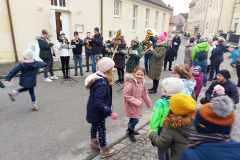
{"points": [[102, 17], [233, 14], [11, 26], [220, 16]]}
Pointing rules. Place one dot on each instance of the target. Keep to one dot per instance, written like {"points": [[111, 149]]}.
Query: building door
{"points": [[58, 23]]}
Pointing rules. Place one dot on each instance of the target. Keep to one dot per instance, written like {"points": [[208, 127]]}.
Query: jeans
{"points": [[101, 129], [31, 92], [49, 67], [93, 64], [65, 64], [204, 65], [147, 62], [164, 154], [78, 59], [165, 64], [214, 66], [238, 74], [87, 60], [132, 123]]}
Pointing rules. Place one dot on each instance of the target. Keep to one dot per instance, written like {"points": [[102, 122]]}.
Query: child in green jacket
{"points": [[170, 87]]}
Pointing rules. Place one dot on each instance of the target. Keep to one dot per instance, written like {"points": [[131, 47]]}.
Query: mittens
{"points": [[114, 115]]}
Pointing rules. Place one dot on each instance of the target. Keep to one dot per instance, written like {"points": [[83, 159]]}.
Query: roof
{"points": [[177, 21], [185, 15], [159, 3]]}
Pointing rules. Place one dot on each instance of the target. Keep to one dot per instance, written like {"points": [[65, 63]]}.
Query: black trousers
{"points": [[65, 64], [87, 60], [165, 64], [208, 68], [120, 73], [238, 74], [155, 84]]}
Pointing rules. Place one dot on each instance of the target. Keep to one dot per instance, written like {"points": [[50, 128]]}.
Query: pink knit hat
{"points": [[163, 36], [105, 64], [219, 89]]}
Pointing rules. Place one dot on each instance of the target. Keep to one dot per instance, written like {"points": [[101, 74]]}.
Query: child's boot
{"points": [[130, 135], [94, 144], [13, 95], [106, 152], [34, 106]]}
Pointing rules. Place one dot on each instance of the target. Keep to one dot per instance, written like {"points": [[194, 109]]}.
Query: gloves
{"points": [[114, 115]]}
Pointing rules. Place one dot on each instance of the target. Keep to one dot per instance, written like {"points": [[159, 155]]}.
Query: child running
{"points": [[182, 71], [234, 56], [29, 69], [99, 104], [133, 93], [170, 87], [198, 76]]}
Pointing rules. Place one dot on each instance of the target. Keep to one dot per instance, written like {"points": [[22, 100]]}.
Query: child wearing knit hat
{"points": [[177, 125], [170, 87], [198, 76], [218, 91], [213, 123]]}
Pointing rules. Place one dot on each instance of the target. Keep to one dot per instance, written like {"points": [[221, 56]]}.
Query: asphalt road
{"points": [[58, 130]]}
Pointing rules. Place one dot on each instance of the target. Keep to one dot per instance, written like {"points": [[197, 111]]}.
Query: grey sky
{"points": [[180, 6]]}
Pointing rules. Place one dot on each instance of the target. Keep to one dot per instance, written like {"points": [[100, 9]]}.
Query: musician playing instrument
{"points": [[88, 49], [114, 40], [77, 53]]}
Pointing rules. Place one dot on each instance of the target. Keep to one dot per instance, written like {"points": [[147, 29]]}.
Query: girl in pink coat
{"points": [[133, 93]]}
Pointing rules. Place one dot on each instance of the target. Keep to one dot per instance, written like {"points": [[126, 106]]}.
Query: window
{"points": [[213, 25], [163, 21], [116, 8], [134, 18], [207, 26], [210, 26], [156, 19], [58, 3], [146, 18], [235, 25]]}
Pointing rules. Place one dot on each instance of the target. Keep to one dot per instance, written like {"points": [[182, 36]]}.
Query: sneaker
{"points": [[34, 106], [47, 80], [54, 77], [81, 74]]}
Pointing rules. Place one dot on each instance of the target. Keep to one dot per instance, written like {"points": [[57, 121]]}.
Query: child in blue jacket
{"points": [[29, 69], [234, 56]]}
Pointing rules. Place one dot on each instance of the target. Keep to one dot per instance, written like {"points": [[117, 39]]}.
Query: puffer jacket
{"points": [[45, 48], [188, 86], [210, 53], [174, 134], [217, 54], [200, 47], [134, 59], [188, 54], [133, 93], [119, 57], [158, 55], [63, 48], [199, 82], [171, 52], [97, 44], [100, 98]]}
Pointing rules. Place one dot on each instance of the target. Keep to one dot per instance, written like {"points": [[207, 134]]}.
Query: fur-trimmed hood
{"points": [[176, 121], [91, 79], [132, 79]]}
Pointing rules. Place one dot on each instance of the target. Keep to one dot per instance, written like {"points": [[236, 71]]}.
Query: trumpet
{"points": [[89, 39], [66, 41], [76, 40]]}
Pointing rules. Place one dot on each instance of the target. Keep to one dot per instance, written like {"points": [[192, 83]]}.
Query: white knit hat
{"points": [[105, 64], [28, 53], [173, 85], [62, 32]]}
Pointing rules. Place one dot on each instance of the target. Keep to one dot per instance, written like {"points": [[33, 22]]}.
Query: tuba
{"points": [[119, 33], [147, 43]]}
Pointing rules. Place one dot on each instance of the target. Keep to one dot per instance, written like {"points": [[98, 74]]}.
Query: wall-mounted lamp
{"points": [[40, 7], [79, 11]]}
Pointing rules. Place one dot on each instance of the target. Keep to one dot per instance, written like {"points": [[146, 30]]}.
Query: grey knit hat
{"points": [[202, 39]]}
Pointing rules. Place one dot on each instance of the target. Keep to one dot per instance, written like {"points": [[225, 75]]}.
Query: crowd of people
{"points": [[177, 128]]}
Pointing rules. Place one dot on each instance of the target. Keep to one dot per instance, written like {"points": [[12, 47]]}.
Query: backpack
{"points": [[202, 55]]}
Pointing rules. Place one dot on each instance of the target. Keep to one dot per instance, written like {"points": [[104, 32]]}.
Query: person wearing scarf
{"points": [[212, 141]]}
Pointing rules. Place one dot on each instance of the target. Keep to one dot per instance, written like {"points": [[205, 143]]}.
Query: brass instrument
{"points": [[114, 52], [66, 41], [147, 43], [119, 33], [76, 40], [89, 40]]}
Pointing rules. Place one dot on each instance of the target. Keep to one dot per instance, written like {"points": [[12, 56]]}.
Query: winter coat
{"points": [[174, 134], [63, 48], [133, 93], [157, 61], [100, 98], [234, 55], [237, 60], [178, 41], [188, 54], [87, 51], [213, 151], [78, 49], [170, 54], [119, 58], [133, 60], [199, 36], [217, 54], [210, 53], [188, 86], [29, 71], [97, 44], [200, 47], [45, 50], [199, 82], [230, 90]]}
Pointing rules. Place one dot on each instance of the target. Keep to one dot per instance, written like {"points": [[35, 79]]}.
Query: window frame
{"points": [[134, 18], [119, 8], [58, 5], [156, 20], [146, 18], [163, 21], [234, 26]]}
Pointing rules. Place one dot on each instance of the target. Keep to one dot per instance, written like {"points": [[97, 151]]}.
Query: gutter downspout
{"points": [[11, 26], [204, 22], [220, 16], [102, 17], [233, 14]]}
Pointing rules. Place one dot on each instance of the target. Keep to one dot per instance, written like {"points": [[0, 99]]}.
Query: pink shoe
{"points": [[94, 144], [106, 152], [34, 106], [13, 95]]}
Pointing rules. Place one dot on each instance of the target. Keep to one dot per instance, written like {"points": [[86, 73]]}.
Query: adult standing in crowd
{"points": [[46, 54], [188, 51], [197, 53], [212, 46], [198, 36], [231, 90], [147, 58], [88, 50], [134, 56], [238, 70], [77, 53], [157, 61], [216, 58], [215, 38], [96, 44], [176, 43], [169, 57]]}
